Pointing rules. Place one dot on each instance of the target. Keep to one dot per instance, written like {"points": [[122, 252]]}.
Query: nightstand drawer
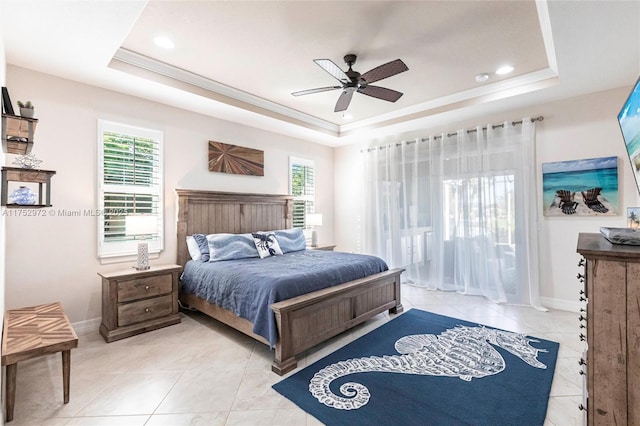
{"points": [[144, 287], [131, 313]]}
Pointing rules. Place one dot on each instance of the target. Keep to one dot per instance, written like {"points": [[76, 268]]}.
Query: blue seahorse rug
{"points": [[426, 369]]}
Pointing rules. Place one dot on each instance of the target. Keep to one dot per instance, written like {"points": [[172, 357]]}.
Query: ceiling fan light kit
{"points": [[352, 81]]}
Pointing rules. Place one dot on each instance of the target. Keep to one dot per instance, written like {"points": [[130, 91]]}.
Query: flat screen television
{"points": [[629, 120]]}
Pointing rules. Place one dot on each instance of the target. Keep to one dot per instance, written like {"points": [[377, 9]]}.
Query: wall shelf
{"points": [[17, 134], [16, 174]]}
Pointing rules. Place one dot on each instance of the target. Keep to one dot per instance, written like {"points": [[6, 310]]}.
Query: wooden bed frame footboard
{"points": [[303, 321], [307, 320]]}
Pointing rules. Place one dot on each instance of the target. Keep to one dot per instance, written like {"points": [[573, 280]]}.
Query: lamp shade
{"points": [[314, 219], [136, 224]]}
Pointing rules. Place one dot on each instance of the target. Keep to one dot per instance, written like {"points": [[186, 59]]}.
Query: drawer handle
{"points": [[582, 337], [582, 407], [580, 277], [581, 262], [582, 362], [146, 287], [146, 310], [581, 318]]}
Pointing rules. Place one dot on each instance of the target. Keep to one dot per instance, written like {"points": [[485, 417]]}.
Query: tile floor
{"points": [[200, 372]]}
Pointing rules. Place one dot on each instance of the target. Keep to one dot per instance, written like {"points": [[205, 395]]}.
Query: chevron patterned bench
{"points": [[31, 332]]}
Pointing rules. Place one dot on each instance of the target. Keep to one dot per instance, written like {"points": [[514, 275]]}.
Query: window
{"points": [[477, 206], [302, 187], [129, 182]]}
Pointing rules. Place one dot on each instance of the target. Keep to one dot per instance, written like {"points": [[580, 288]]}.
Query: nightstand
{"points": [[135, 302], [326, 247]]}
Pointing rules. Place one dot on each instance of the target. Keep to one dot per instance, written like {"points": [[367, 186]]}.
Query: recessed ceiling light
{"points": [[164, 42], [505, 69], [482, 77]]}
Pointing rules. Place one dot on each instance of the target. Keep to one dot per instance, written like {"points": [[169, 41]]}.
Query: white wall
{"points": [[582, 127], [53, 258]]}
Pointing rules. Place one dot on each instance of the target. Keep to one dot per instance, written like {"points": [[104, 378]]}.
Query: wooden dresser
{"points": [[134, 302], [612, 323]]}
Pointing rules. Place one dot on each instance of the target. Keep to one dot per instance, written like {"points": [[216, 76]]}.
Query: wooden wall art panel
{"points": [[239, 160]]}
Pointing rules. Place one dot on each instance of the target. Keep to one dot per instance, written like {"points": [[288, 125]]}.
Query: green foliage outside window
{"points": [[132, 162], [303, 191]]}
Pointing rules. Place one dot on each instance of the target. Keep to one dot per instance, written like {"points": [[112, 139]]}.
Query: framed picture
{"points": [[6, 102], [239, 160], [633, 217], [586, 187]]}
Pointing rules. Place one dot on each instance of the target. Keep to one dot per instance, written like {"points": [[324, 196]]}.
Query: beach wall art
{"points": [[239, 160], [586, 187]]}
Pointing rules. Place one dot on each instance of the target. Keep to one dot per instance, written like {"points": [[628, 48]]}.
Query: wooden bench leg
{"points": [[66, 374], [12, 369]]}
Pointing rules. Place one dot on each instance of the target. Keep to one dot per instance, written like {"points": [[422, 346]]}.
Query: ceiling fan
{"points": [[352, 81]]}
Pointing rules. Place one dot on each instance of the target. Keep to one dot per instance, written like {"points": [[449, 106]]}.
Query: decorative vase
{"points": [[143, 257], [23, 196], [27, 112]]}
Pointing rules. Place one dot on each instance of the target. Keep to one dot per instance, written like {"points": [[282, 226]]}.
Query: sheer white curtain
{"points": [[458, 212]]}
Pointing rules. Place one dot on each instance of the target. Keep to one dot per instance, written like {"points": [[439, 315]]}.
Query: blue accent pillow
{"points": [[291, 240], [198, 247], [231, 246]]}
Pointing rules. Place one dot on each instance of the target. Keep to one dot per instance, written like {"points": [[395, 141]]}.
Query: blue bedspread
{"points": [[248, 287]]}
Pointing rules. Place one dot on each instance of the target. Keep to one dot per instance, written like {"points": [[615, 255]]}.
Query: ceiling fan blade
{"points": [[344, 100], [381, 93], [336, 72], [385, 71], [318, 90]]}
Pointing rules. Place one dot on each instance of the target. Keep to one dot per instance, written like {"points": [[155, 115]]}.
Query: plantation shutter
{"points": [[303, 190], [130, 182]]}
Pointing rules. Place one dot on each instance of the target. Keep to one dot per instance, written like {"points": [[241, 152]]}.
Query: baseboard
{"points": [[87, 326], [561, 304]]}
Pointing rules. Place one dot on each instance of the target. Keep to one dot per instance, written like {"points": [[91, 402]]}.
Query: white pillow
{"points": [[194, 249], [267, 244]]}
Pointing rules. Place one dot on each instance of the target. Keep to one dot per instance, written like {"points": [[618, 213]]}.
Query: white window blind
{"points": [[129, 182], [303, 189]]}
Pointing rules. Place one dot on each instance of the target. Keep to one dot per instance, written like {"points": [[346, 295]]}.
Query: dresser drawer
{"points": [[143, 310], [140, 288]]}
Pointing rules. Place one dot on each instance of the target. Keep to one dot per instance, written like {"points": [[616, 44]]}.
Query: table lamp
{"points": [[141, 225], [313, 220]]}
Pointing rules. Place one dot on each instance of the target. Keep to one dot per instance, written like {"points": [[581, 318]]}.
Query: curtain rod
{"points": [[493, 126]]}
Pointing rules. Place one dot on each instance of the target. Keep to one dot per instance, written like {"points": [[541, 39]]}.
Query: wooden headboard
{"points": [[210, 212]]}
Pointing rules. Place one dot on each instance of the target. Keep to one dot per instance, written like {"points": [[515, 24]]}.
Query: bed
{"points": [[302, 321]]}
